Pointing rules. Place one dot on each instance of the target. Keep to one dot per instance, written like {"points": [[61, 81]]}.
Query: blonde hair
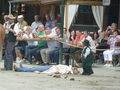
{"points": [[28, 28]]}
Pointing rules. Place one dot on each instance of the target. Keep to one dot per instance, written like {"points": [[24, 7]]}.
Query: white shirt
{"points": [[7, 25], [17, 28], [53, 32], [62, 69], [87, 52], [92, 44], [35, 25], [30, 42]]}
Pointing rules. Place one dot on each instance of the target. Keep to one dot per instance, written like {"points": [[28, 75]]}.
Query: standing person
{"points": [[2, 35], [48, 21], [36, 23], [9, 43], [20, 24], [87, 58]]}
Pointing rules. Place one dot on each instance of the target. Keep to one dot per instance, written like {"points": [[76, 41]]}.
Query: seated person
{"points": [[20, 48], [72, 36], [101, 42], [79, 38], [35, 51], [52, 45], [95, 37], [54, 55], [31, 44], [111, 29], [108, 54]]}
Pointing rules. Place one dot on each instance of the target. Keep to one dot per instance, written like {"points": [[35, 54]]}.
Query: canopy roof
{"points": [[85, 2], [35, 1]]}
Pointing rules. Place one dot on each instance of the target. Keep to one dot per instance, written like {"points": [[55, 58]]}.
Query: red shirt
{"points": [[79, 39]]}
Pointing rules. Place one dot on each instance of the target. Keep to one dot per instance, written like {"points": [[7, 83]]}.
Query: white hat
{"points": [[20, 16]]}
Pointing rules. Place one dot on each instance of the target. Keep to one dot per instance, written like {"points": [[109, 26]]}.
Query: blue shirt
{"points": [[48, 24], [35, 25]]}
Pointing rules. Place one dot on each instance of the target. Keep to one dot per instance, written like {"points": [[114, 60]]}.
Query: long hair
{"points": [[2, 34]]}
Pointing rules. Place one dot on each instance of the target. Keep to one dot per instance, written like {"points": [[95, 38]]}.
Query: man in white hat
{"points": [[20, 24], [10, 40]]}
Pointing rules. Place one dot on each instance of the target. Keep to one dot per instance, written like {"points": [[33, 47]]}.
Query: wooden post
{"points": [[119, 16], [66, 17], [62, 27]]}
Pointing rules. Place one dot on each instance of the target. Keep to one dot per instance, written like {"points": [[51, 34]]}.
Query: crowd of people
{"points": [[47, 52]]}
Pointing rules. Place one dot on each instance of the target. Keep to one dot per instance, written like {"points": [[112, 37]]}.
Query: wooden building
{"points": [[4, 8], [84, 18]]}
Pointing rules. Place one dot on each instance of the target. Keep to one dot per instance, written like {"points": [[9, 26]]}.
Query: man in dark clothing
{"points": [[10, 40]]}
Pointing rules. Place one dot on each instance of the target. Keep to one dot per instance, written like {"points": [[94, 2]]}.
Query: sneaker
{"points": [[110, 65]]}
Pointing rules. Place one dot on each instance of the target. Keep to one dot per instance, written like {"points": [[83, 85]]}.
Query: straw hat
{"points": [[10, 16]]}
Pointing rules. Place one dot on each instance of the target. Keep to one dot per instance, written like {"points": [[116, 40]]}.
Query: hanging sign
{"points": [[106, 2]]}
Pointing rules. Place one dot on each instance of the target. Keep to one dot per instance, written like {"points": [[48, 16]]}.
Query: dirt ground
{"points": [[102, 79]]}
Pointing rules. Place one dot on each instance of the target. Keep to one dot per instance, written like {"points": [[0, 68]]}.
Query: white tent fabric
{"points": [[98, 15], [70, 11]]}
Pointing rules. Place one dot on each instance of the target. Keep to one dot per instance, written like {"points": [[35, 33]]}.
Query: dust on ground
{"points": [[102, 79]]}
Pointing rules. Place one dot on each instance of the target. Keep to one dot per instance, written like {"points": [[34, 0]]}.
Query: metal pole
{"points": [[62, 27], [9, 7]]}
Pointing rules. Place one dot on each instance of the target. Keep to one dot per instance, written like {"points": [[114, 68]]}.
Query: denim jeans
{"points": [[36, 53], [33, 69], [28, 48], [8, 62], [54, 56]]}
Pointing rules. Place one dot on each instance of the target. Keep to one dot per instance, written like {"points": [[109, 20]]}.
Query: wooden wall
{"points": [[4, 8]]}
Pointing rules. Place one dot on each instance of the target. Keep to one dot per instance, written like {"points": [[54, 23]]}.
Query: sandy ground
{"points": [[102, 79]]}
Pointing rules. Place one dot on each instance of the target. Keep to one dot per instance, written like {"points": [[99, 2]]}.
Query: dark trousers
{"points": [[36, 53], [54, 56], [87, 68], [9, 57]]}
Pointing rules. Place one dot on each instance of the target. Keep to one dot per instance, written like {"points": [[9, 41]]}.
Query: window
{"points": [[84, 16]]}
